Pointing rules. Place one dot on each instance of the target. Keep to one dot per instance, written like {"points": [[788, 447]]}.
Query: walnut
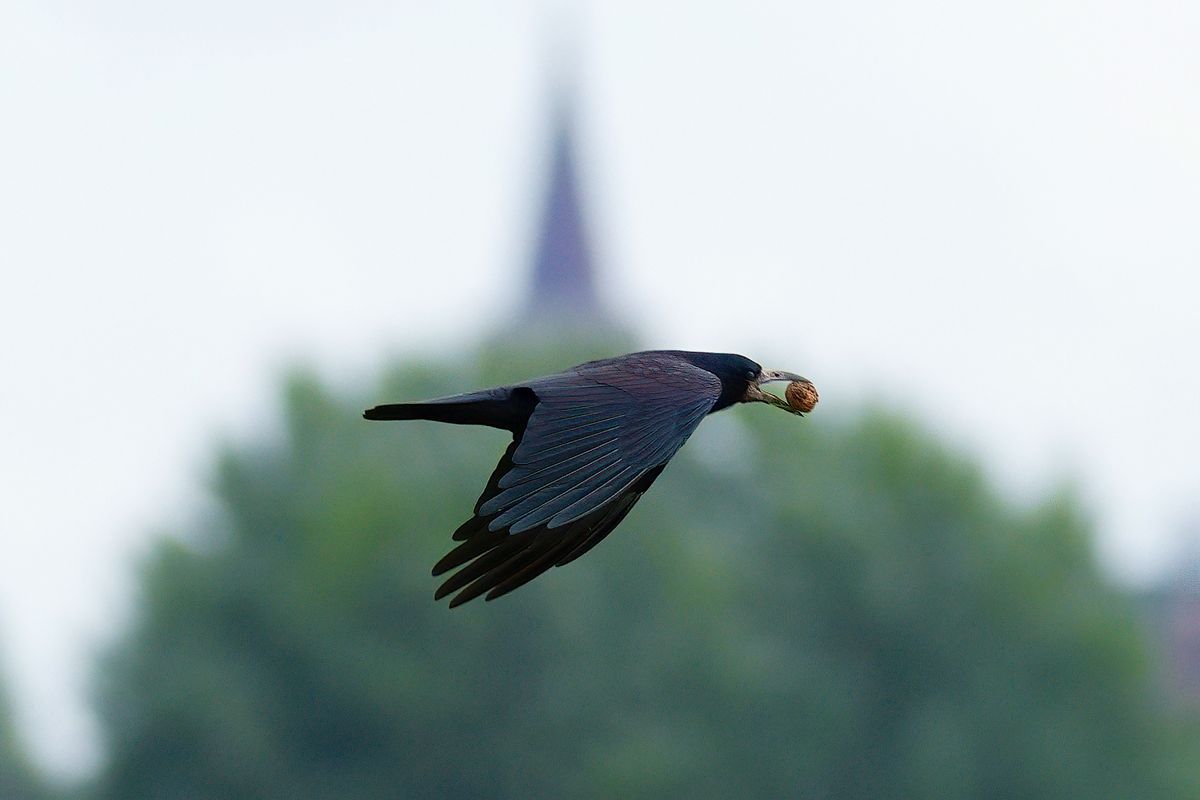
{"points": [[801, 395]]}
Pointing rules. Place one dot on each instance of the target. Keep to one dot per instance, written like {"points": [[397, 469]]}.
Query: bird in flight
{"points": [[587, 443]]}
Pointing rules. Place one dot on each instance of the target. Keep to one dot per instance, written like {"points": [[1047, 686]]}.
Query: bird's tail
{"points": [[464, 413], [497, 408]]}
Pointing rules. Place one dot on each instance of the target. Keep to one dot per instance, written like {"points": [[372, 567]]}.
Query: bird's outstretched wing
{"points": [[596, 439]]}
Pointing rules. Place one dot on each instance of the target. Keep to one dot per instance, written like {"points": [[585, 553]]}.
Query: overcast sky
{"points": [[989, 217]]}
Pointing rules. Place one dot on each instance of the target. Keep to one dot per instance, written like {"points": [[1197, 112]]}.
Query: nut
{"points": [[801, 395]]}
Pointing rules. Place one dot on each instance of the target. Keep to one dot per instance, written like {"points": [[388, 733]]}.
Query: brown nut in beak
{"points": [[801, 395]]}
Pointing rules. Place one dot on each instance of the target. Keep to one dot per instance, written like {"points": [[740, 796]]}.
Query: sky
{"points": [[987, 216]]}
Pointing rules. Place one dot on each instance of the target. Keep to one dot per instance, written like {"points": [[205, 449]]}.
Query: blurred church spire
{"points": [[562, 289]]}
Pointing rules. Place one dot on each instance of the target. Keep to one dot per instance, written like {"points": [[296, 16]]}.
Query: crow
{"points": [[587, 444]]}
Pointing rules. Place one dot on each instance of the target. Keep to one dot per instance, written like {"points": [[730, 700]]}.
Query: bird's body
{"points": [[587, 443]]}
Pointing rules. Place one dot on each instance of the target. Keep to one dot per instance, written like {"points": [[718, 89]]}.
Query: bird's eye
{"points": [[751, 374]]}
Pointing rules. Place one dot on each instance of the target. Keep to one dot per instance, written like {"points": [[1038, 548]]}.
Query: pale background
{"points": [[987, 217]]}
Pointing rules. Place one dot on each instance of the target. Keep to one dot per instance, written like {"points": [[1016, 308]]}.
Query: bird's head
{"points": [[742, 379], [801, 394]]}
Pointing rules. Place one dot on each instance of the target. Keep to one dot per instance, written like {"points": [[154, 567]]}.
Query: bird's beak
{"points": [[776, 375], [756, 395]]}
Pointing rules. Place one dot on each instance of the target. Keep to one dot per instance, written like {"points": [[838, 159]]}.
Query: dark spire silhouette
{"points": [[563, 285]]}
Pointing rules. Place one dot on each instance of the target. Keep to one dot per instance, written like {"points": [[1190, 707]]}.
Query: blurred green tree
{"points": [[18, 779], [834, 608]]}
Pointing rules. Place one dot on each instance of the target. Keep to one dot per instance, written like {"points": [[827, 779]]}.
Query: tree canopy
{"points": [[18, 779], [833, 608]]}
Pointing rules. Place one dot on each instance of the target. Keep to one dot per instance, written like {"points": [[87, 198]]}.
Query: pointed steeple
{"points": [[563, 286]]}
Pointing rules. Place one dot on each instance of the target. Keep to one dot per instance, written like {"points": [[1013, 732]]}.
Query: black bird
{"points": [[587, 443]]}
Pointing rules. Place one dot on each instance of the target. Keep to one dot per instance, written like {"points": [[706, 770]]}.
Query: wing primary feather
{"points": [[475, 546], [621, 508], [543, 562], [469, 528], [495, 575], [482, 564], [600, 531]]}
